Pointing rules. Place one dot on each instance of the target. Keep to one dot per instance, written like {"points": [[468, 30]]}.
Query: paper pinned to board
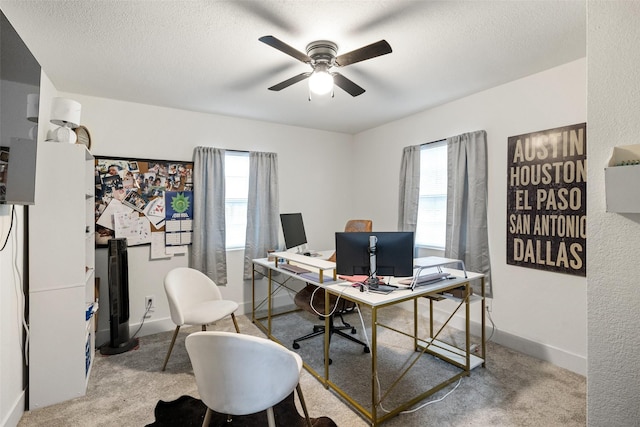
{"points": [[176, 250], [115, 206], [133, 227], [155, 212], [157, 246]]}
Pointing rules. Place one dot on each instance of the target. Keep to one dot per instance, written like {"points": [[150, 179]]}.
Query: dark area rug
{"points": [[187, 411]]}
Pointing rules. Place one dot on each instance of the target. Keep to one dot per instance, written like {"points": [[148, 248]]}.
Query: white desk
{"points": [[461, 358]]}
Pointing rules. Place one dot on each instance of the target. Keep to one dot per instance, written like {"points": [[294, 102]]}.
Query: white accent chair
{"points": [[194, 299], [239, 374]]}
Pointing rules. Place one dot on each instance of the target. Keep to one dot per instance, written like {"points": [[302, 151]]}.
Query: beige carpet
{"points": [[513, 390]]}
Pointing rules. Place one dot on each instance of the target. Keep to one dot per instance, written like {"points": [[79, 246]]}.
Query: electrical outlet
{"points": [[149, 302]]}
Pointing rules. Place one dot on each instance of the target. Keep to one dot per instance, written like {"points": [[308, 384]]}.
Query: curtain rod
{"points": [[249, 151], [225, 149], [433, 142]]}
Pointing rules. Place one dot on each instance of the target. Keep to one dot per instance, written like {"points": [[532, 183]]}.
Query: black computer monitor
{"points": [[293, 230], [393, 253]]}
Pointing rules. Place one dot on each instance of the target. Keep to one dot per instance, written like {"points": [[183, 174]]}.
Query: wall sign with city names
{"points": [[547, 200]]}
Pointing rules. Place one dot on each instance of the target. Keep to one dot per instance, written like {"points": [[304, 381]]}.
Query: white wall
{"points": [[11, 309], [613, 383], [12, 276], [537, 312], [312, 168]]}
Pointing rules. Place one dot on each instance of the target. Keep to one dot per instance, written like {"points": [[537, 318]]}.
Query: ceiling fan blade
{"points": [[367, 52], [283, 47], [347, 85], [289, 82]]}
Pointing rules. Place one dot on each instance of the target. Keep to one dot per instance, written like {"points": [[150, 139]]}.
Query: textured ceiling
{"points": [[204, 55]]}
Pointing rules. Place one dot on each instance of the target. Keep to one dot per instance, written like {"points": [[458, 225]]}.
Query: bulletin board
{"points": [[130, 199]]}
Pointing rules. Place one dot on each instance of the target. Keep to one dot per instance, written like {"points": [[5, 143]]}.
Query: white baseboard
{"points": [[151, 326], [559, 357], [15, 413]]}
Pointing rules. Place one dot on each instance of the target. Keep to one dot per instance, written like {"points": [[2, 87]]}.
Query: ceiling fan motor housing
{"points": [[322, 51]]}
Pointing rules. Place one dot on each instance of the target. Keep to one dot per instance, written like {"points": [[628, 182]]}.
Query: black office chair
{"points": [[338, 307]]}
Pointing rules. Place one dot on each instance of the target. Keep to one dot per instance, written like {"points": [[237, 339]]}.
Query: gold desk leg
{"points": [[253, 294], [374, 365], [484, 342], [467, 332], [415, 324], [430, 318], [327, 338], [269, 304]]}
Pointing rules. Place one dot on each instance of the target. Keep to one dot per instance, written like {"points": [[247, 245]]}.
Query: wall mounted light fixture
{"points": [[66, 114]]}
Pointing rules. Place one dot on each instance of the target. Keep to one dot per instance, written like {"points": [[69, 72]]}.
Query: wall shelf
{"points": [[621, 179]]}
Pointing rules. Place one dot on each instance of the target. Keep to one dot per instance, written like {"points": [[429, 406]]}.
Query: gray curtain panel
{"points": [[409, 193], [467, 236], [208, 252], [262, 208]]}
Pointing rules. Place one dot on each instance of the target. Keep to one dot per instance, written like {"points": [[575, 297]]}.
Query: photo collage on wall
{"points": [[130, 196]]}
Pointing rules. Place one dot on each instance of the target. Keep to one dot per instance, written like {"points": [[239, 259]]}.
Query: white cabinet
{"points": [[61, 274], [622, 189], [621, 179]]}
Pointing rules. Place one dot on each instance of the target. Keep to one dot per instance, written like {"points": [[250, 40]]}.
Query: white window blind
{"points": [[236, 194], [432, 206]]}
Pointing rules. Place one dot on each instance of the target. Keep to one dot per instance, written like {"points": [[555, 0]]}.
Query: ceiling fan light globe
{"points": [[321, 82]]}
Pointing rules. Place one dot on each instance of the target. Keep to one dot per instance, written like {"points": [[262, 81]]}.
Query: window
{"points": [[432, 206], [236, 166]]}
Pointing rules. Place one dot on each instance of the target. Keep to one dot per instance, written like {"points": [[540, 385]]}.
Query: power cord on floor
{"points": [[493, 325], [144, 316], [409, 411], [433, 401]]}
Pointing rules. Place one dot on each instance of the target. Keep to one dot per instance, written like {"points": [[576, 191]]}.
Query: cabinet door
{"points": [[58, 335], [57, 222]]}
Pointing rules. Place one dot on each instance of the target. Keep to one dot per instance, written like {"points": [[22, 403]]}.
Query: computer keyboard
{"points": [[424, 279], [293, 268]]}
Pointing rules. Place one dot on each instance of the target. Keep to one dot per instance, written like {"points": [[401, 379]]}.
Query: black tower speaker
{"points": [[118, 267]]}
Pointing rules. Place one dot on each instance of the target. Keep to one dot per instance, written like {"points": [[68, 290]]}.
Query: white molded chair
{"points": [[194, 299], [239, 374]]}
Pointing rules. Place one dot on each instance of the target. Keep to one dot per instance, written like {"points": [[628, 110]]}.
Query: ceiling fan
{"points": [[322, 56]]}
